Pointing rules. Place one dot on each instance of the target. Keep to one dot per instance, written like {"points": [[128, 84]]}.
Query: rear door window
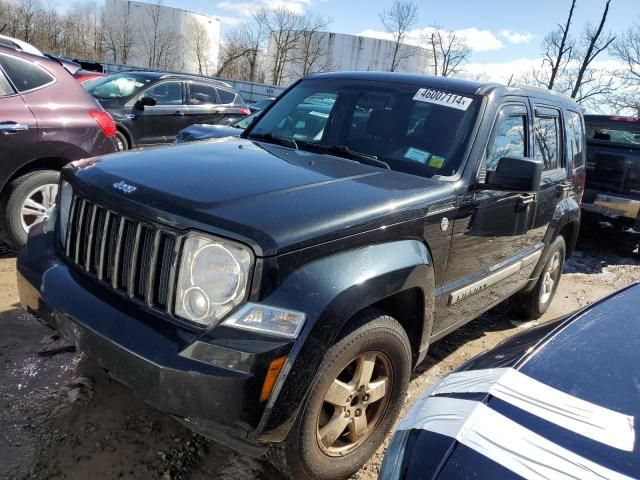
{"points": [[546, 134], [200, 94], [23, 74], [226, 96]]}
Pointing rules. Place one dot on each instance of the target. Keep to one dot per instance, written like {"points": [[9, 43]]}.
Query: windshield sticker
{"points": [[416, 155], [436, 161], [440, 97]]}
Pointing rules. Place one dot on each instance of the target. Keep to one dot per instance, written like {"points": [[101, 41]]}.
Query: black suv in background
{"points": [[612, 193], [274, 291], [152, 107], [46, 120]]}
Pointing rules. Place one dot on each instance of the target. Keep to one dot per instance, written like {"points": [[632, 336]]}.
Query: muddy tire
{"points": [[34, 192], [353, 402], [532, 305]]}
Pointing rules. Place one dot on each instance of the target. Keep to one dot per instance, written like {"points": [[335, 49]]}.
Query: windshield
{"points": [[118, 86], [413, 129], [626, 134]]}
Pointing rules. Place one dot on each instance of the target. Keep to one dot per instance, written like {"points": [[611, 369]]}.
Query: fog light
{"points": [[196, 303]]}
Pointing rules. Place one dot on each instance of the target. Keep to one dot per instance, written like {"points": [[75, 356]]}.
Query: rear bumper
{"points": [[613, 205], [218, 397]]}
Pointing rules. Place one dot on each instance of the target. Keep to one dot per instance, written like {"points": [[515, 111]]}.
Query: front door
{"points": [[491, 241], [160, 123]]}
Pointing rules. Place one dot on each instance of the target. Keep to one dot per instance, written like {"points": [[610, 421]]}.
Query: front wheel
{"points": [[354, 399], [532, 305], [122, 143]]}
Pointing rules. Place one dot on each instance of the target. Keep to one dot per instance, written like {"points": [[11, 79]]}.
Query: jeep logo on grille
{"points": [[124, 187]]}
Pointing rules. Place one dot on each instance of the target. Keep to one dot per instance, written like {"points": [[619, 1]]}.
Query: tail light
{"points": [[244, 111], [105, 122]]}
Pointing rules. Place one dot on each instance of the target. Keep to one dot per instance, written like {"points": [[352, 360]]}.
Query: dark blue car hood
{"points": [[200, 131], [593, 356], [274, 198]]}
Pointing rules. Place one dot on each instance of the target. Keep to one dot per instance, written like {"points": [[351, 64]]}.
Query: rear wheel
{"points": [[531, 305], [355, 397], [27, 200], [121, 141]]}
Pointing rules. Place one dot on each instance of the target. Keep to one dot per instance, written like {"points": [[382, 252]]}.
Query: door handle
{"points": [[12, 127], [566, 186], [178, 114], [526, 199]]}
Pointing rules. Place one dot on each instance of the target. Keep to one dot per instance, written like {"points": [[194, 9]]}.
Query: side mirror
{"points": [[515, 173], [145, 102]]}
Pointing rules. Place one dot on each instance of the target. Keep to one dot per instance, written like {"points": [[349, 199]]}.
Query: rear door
{"points": [[548, 147], [18, 126], [204, 104], [491, 246], [161, 122]]}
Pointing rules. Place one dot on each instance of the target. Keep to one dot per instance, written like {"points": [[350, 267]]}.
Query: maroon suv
{"points": [[46, 120]]}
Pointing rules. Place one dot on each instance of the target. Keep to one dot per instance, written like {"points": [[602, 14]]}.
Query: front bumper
{"points": [[217, 395]]}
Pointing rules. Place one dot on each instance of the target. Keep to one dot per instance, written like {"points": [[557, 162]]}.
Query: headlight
{"points": [[213, 279], [393, 463], [267, 319], [64, 209]]}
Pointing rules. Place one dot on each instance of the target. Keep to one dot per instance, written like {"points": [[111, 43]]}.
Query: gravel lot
{"points": [[62, 417]]}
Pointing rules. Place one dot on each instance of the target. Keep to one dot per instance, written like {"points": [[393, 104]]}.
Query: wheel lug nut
{"points": [[365, 398], [358, 412], [347, 413]]}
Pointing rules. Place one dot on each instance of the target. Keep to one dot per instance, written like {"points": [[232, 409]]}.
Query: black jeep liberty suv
{"points": [[274, 291]]}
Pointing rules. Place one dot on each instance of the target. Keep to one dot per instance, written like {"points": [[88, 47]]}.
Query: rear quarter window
{"points": [[226, 96], [575, 139], [23, 74]]}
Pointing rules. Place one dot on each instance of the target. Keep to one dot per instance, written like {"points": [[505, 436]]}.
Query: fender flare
{"points": [[331, 291]]}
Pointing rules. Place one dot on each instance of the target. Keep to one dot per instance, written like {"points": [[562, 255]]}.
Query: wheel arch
{"points": [[43, 163], [396, 277], [127, 134]]}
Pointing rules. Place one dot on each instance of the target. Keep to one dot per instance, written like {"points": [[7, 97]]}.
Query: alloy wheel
{"points": [[38, 205], [354, 404], [550, 278]]}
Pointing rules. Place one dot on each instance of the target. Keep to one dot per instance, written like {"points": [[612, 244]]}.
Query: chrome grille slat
{"points": [[134, 258]]}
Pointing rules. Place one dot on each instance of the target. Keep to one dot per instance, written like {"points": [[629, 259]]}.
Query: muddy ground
{"points": [[61, 416]]}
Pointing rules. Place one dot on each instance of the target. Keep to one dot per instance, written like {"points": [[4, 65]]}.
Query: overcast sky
{"points": [[505, 35]]}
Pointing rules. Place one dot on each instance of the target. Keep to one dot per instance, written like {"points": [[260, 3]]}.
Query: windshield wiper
{"points": [[345, 152], [268, 137]]}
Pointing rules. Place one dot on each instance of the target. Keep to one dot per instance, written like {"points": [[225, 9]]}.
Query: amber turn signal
{"points": [[275, 367]]}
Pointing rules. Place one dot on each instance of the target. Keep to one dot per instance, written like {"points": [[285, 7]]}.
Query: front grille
{"points": [[131, 257]]}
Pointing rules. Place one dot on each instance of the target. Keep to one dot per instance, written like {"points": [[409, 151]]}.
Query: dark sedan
{"points": [[150, 108], [558, 401], [306, 120]]}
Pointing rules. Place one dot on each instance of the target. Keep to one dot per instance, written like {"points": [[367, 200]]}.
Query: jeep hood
{"points": [[276, 199]]}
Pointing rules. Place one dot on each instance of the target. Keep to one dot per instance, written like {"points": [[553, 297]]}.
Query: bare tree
{"points": [[449, 52], [199, 46], [595, 43], [283, 27], [120, 35], [627, 49], [397, 21], [26, 13], [558, 46], [313, 46], [159, 43]]}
